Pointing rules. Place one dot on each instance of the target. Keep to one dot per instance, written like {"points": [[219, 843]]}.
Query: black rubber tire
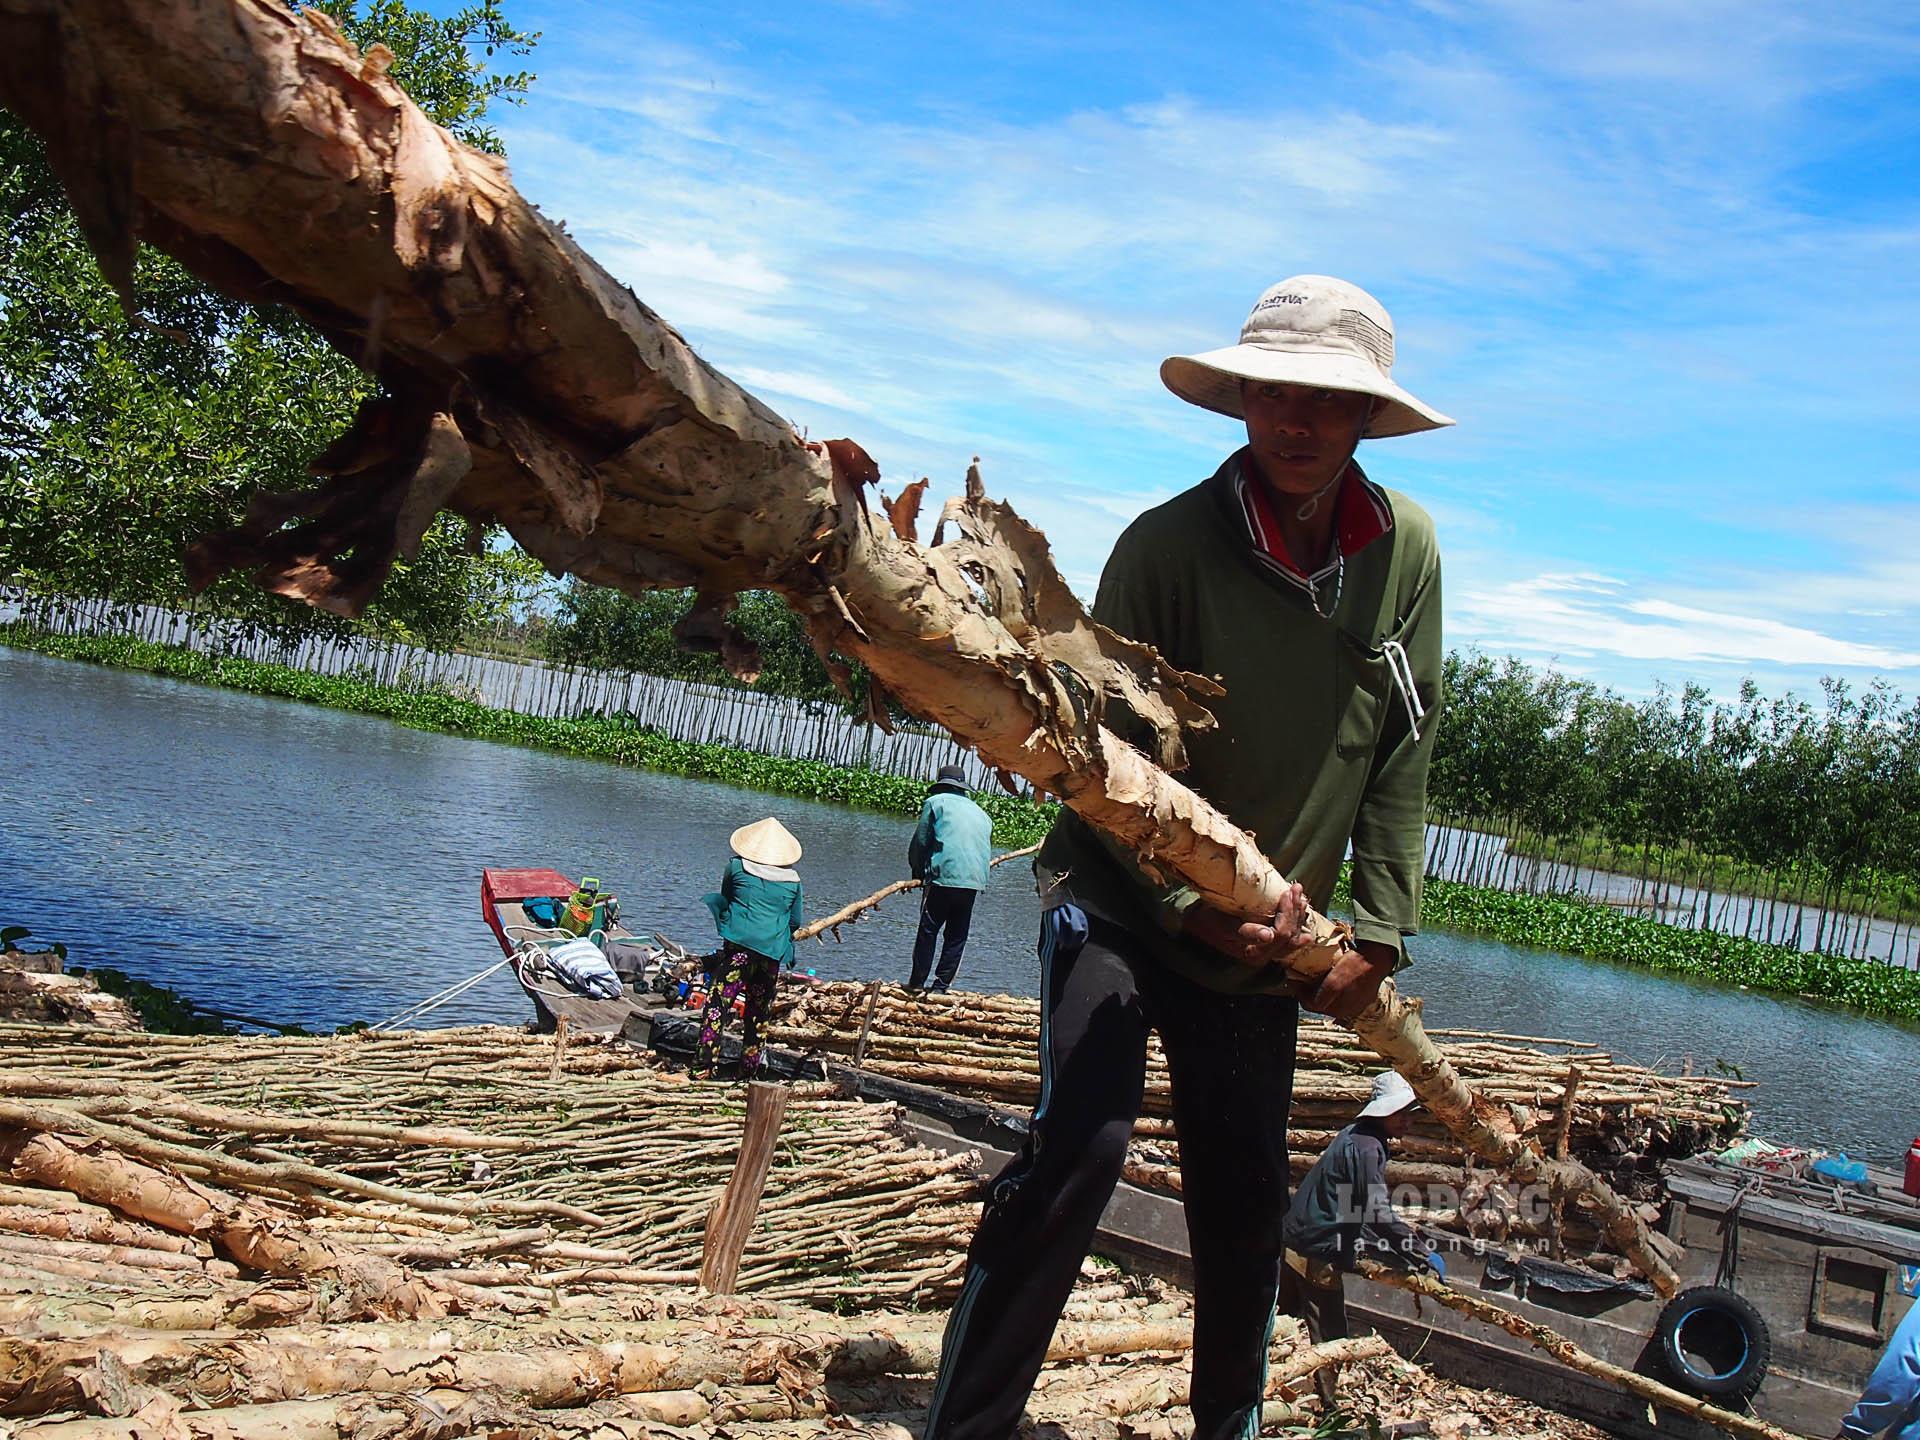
{"points": [[1714, 1343]]}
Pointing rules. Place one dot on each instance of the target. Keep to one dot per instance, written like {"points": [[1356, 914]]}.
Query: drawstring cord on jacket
{"points": [[1401, 669]]}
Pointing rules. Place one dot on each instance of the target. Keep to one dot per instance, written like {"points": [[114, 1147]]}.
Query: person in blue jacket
{"points": [[949, 853], [756, 910], [1890, 1405]]}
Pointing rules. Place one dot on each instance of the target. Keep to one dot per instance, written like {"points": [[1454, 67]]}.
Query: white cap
{"points": [[1391, 1095]]}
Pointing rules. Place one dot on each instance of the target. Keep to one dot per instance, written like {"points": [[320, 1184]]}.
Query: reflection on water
{"points": [[274, 858]]}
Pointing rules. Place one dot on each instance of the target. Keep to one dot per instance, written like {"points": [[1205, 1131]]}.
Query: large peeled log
{"points": [[246, 1232], [266, 154]]}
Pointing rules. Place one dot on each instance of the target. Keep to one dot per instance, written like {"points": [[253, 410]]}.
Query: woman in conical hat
{"points": [[756, 910]]}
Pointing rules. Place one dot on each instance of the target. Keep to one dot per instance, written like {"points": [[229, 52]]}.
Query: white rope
{"points": [[1401, 668], [439, 998]]}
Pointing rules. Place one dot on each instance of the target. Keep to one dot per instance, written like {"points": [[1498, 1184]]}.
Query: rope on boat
{"points": [[436, 1000]]}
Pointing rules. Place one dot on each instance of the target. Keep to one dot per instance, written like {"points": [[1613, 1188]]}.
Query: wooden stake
{"points": [[1565, 1118], [866, 1025], [559, 1047], [1556, 1218], [730, 1221]]}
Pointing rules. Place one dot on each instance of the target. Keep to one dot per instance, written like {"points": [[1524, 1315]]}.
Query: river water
{"points": [[310, 865]]}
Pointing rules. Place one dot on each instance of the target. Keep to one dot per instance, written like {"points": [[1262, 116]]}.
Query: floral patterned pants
{"points": [[737, 970]]}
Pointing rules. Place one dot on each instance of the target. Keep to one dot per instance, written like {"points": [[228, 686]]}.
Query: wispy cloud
{"points": [[1664, 264]]}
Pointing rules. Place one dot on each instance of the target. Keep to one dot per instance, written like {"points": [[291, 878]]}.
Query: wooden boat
{"points": [[504, 895], [1830, 1273]]}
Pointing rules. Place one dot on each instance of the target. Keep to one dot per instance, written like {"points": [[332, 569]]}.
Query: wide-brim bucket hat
{"points": [[1391, 1095], [1307, 330], [765, 842]]}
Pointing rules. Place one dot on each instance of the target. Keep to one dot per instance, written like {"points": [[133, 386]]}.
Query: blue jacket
{"points": [[758, 914], [1891, 1402], [952, 843]]}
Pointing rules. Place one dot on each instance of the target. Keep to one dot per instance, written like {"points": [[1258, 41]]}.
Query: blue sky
{"points": [[1661, 261]]}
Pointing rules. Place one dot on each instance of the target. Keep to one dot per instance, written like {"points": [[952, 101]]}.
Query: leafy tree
{"points": [[120, 441]]}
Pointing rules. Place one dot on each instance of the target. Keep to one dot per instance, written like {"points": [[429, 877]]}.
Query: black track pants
{"points": [[1231, 1063]]}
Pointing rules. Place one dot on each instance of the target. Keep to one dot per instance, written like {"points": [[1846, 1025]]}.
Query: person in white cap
{"points": [[756, 910], [1342, 1213], [1314, 595]]}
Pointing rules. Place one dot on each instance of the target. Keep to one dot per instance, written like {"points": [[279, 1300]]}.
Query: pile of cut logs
{"points": [[461, 1150], [481, 1232], [1623, 1119]]}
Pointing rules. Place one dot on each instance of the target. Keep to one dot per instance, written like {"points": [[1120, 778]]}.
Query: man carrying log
{"points": [[1314, 596]]}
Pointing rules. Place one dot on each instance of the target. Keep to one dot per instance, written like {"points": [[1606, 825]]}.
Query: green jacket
{"points": [[952, 844], [758, 914], [1314, 748]]}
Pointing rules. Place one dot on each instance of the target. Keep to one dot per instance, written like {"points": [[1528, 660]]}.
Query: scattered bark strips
{"points": [[524, 385]]}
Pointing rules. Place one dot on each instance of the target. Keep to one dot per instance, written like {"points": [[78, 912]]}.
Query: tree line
{"points": [[1793, 802]]}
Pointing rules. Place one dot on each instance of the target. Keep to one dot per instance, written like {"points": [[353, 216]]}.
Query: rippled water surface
{"points": [[280, 859]]}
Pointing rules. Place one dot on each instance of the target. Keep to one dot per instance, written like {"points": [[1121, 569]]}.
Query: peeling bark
{"points": [[225, 1371], [265, 153], [249, 1234]]}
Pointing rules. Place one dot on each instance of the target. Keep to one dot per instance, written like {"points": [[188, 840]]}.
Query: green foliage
{"points": [[1600, 932], [1894, 897], [441, 61], [1774, 796], [611, 630], [1017, 822], [120, 443]]}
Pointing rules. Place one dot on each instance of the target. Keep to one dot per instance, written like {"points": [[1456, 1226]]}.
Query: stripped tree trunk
{"points": [[523, 385], [246, 1232]]}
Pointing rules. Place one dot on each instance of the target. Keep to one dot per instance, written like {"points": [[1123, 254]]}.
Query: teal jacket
{"points": [[952, 843], [760, 915]]}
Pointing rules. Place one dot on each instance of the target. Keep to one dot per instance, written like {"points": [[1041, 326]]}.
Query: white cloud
{"points": [[1592, 225], [1555, 616]]}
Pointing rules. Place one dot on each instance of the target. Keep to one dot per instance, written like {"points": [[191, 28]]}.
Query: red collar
{"points": [[1363, 517]]}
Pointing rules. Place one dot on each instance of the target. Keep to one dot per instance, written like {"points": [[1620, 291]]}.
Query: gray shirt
{"points": [[1342, 1211]]}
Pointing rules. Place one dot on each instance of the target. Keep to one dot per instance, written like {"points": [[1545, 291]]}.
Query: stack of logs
{"points": [[480, 1232], [459, 1150], [1624, 1119]]}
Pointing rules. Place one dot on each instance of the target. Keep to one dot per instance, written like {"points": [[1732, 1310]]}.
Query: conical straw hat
{"points": [[765, 842]]}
